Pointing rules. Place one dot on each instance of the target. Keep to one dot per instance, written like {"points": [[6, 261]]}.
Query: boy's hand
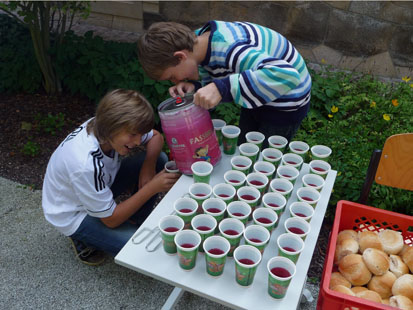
{"points": [[208, 96], [181, 89], [163, 181]]}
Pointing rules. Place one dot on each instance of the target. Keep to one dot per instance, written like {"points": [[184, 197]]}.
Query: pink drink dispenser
{"points": [[189, 132]]}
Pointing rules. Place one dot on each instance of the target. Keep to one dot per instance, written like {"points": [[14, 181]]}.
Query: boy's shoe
{"points": [[87, 255]]}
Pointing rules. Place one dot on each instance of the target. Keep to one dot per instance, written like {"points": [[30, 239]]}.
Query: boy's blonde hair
{"points": [[119, 110], [156, 47]]}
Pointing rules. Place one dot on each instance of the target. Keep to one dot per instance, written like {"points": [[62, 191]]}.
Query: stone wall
{"points": [[364, 36]]}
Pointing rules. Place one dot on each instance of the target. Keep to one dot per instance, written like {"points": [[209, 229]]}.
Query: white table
{"points": [[224, 289]]}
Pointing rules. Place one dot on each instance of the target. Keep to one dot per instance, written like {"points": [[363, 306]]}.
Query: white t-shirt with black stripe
{"points": [[78, 180]]}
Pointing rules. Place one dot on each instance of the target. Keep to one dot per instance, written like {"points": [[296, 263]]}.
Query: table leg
{"points": [[173, 299], [306, 294]]}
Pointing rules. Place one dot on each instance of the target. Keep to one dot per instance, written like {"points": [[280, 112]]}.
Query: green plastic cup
{"points": [[282, 186], [235, 178], [216, 249], [320, 152], [275, 202], [218, 125], [290, 246], [201, 171], [308, 195], [230, 136], [171, 167], [291, 159], [249, 150], [264, 167], [224, 191], [297, 226], [169, 226], [277, 142], [241, 163], [186, 209], [255, 137], [257, 236], [215, 207], [204, 225], [266, 218], [320, 167], [250, 195], [272, 155], [300, 148], [187, 243], [302, 210], [239, 210], [232, 230], [288, 172], [200, 192], [259, 181], [247, 259], [280, 272], [313, 180]]}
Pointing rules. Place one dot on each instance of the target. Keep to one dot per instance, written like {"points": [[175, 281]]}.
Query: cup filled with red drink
{"points": [[216, 249], [297, 226], [300, 148], [289, 173], [186, 208], [249, 150], [291, 159], [247, 259], [274, 201], [171, 167], [235, 178], [255, 137], [187, 243], [320, 152], [169, 225], [239, 210], [277, 142], [200, 192], [257, 236], [290, 246], [313, 180], [224, 191], [218, 125], [232, 230], [308, 195], [230, 136], [280, 272], [272, 156], [302, 210], [265, 217], [201, 171], [215, 207], [259, 181], [264, 167], [250, 195], [204, 225], [320, 167], [282, 186], [241, 163]]}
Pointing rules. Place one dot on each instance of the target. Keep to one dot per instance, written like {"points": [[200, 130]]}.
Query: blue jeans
{"points": [[95, 234]]}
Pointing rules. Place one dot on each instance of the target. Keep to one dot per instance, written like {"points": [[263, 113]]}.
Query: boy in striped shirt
{"points": [[241, 62]]}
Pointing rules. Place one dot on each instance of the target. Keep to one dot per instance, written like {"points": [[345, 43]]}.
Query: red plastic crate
{"points": [[350, 215]]}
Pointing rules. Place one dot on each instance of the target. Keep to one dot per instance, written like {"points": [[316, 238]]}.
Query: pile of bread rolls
{"points": [[377, 266]]}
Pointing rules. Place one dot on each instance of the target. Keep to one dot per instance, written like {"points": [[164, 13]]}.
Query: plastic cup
{"points": [[230, 136], [275, 202], [257, 236], [282, 186], [202, 171], [272, 155], [218, 125], [216, 249], [250, 195], [277, 142], [297, 226], [186, 209], [235, 178], [255, 137], [313, 180], [291, 159], [320, 167], [239, 210], [204, 225], [200, 192], [258, 180], [302, 210], [265, 217], [288, 172], [280, 272], [320, 152], [171, 167], [216, 208], [249, 150], [169, 225], [290, 246], [265, 167], [308, 195], [224, 191], [241, 163], [232, 230], [300, 148], [247, 259], [187, 243]]}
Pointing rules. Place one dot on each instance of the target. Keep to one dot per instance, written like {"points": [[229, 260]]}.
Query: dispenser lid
{"points": [[175, 104]]}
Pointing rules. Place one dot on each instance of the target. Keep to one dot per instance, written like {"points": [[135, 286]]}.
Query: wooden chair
{"points": [[392, 166]]}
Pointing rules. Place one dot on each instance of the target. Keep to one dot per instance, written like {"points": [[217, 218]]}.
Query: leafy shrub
{"points": [[50, 123], [31, 148]]}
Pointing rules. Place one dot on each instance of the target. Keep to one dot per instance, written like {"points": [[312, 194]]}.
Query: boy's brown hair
{"points": [[121, 109], [156, 47]]}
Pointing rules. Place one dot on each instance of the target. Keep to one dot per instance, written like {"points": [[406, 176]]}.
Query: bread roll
{"points": [[405, 248], [407, 257], [369, 295], [376, 261], [397, 266], [345, 247], [385, 301], [401, 302], [369, 239], [382, 284], [357, 289], [343, 289], [338, 279], [391, 240], [403, 286], [353, 268], [346, 234]]}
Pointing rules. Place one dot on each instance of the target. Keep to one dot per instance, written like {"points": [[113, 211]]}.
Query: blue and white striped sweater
{"points": [[254, 66]]}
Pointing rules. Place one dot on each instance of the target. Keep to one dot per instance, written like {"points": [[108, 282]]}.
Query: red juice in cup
{"points": [[223, 195], [214, 210], [263, 171], [238, 214], [264, 220], [319, 169], [296, 230], [298, 150], [287, 248], [313, 185], [286, 176], [185, 210], [246, 261], [291, 162], [256, 182], [240, 166], [203, 228], [273, 205], [187, 245], [280, 190], [200, 195], [234, 181], [300, 214], [215, 251], [307, 198], [248, 197], [280, 272], [231, 232], [272, 157], [171, 229], [255, 240]]}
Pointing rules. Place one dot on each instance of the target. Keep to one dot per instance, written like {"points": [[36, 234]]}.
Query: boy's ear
{"points": [[181, 55]]}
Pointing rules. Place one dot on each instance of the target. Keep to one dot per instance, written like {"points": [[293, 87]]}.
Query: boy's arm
{"points": [[153, 149]]}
